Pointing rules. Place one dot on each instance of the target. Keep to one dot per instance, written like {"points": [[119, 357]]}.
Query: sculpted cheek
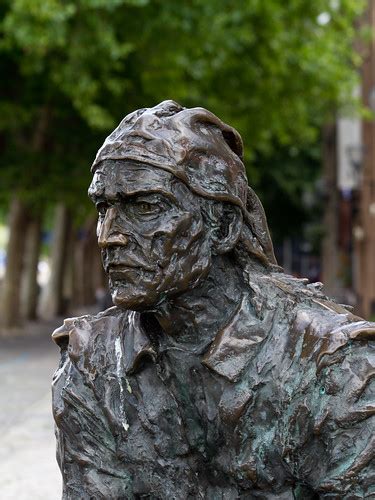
{"points": [[182, 269], [163, 244], [160, 249], [176, 238], [191, 230], [182, 273]]}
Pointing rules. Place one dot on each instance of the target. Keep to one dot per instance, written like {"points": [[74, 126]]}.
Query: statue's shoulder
{"points": [[324, 328], [83, 333], [306, 322], [86, 322], [96, 341], [280, 319]]}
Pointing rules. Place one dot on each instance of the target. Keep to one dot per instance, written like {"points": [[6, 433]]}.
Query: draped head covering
{"points": [[200, 150]]}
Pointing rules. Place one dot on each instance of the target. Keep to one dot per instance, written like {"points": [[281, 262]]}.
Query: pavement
{"points": [[28, 467]]}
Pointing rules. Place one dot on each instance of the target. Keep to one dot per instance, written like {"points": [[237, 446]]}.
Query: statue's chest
{"points": [[170, 407], [166, 428], [173, 426]]}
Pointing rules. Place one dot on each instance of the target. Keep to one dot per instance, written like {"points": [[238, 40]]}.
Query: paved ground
{"points": [[28, 468]]}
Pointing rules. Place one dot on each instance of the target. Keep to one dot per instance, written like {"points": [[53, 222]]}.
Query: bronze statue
{"points": [[215, 376]]}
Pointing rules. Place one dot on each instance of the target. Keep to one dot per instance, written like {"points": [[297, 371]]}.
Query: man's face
{"points": [[151, 233]]}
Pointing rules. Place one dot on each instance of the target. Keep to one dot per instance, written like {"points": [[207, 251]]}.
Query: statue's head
{"points": [[171, 191]]}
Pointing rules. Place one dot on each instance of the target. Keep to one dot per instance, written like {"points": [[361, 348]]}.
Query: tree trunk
{"points": [[78, 267], [55, 301], [31, 289], [11, 296], [70, 271], [330, 251], [365, 240], [86, 263], [91, 251]]}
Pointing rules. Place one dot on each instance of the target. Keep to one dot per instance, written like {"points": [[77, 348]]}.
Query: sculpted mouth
{"points": [[118, 268]]}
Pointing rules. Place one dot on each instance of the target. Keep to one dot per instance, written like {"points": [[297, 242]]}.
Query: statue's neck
{"points": [[193, 319]]}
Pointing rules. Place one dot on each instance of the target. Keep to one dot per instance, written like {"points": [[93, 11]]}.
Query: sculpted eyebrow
{"points": [[145, 193]]}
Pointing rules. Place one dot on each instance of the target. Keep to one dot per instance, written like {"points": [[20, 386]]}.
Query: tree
{"points": [[15, 260], [275, 70]]}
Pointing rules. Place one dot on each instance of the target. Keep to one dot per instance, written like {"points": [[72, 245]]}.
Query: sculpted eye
{"points": [[146, 208]]}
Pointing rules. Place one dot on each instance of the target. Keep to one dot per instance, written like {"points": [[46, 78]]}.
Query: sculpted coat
{"points": [[215, 375]]}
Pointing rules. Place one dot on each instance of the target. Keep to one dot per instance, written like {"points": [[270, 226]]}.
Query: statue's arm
{"points": [[86, 448], [337, 440]]}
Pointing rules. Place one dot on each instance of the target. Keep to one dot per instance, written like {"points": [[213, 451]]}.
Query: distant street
{"points": [[28, 468]]}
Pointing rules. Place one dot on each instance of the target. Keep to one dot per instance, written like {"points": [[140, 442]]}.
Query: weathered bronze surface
{"points": [[215, 375]]}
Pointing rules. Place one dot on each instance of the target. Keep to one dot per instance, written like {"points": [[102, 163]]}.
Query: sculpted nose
{"points": [[108, 235]]}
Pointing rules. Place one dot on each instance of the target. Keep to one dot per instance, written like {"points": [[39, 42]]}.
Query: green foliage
{"points": [[284, 181], [276, 70], [268, 67]]}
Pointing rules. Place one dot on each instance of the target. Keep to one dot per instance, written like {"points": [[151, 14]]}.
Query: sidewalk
{"points": [[28, 467]]}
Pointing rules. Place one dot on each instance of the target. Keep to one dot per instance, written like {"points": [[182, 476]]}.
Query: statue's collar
{"points": [[233, 346], [228, 354], [137, 345]]}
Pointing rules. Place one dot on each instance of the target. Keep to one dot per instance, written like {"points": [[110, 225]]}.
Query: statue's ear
{"points": [[227, 232]]}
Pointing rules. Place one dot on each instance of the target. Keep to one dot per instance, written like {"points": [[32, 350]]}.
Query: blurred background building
{"points": [[348, 256]]}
